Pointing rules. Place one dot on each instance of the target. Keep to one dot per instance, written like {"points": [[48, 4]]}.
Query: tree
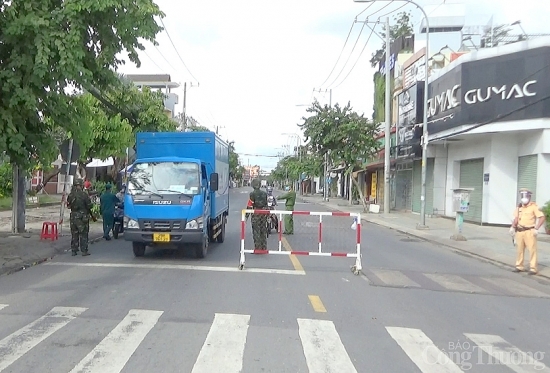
{"points": [[402, 27], [351, 138]]}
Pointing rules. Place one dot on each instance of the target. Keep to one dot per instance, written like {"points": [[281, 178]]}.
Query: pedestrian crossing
{"points": [[225, 345], [486, 285]]}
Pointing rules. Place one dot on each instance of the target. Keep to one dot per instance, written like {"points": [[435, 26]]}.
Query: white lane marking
{"points": [[181, 266], [22, 341], [422, 351], [323, 348], [394, 278], [2, 306], [455, 283], [223, 349], [515, 287], [508, 354], [114, 351]]}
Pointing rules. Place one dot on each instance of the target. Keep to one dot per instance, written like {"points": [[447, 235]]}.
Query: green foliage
{"points": [[546, 211], [348, 136], [402, 26], [99, 186], [48, 46], [6, 178]]}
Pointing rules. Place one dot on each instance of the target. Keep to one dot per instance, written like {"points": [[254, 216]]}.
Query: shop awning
{"points": [[101, 163]]}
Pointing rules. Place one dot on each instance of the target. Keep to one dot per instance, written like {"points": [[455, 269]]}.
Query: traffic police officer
{"points": [[527, 221]]}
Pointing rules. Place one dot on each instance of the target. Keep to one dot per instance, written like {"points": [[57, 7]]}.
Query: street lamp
{"points": [[422, 224]]}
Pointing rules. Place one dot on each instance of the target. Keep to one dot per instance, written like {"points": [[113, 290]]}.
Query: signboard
{"points": [[374, 179], [409, 131], [502, 88], [400, 44]]}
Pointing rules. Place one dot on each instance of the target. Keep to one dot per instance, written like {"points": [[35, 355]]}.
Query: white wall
{"points": [[500, 152], [440, 178]]}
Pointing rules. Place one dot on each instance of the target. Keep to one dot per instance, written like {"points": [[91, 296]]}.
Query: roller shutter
{"points": [[403, 197], [527, 174], [471, 176]]}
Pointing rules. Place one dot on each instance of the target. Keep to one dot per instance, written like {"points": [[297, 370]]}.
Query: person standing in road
{"points": [[290, 201], [81, 210], [258, 201], [107, 202], [527, 221]]}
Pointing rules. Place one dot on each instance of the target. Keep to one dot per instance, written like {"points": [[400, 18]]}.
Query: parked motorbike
{"points": [[118, 227]]}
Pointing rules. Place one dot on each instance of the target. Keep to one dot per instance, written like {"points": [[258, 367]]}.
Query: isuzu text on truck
{"points": [[177, 191]]}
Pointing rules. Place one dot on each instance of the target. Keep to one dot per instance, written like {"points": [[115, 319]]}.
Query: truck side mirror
{"points": [[214, 180]]}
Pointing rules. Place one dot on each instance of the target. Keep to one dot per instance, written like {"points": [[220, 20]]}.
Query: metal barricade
{"points": [[318, 221]]}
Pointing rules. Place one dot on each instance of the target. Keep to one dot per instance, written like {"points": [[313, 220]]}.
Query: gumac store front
{"points": [[489, 129]]}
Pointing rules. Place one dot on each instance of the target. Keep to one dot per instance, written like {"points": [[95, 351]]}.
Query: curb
{"points": [[415, 234], [47, 204], [42, 260]]}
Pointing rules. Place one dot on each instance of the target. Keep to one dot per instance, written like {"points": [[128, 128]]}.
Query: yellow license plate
{"points": [[161, 237]]}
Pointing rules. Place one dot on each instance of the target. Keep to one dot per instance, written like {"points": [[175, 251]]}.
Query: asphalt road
{"points": [[415, 308]]}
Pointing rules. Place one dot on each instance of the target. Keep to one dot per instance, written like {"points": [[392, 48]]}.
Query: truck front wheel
{"points": [[139, 248], [221, 236], [202, 248]]}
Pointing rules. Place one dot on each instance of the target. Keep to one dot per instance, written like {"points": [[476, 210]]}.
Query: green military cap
{"points": [[255, 183], [108, 186], [79, 182]]}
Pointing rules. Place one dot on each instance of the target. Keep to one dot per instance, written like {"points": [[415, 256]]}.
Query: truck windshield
{"points": [[164, 178]]}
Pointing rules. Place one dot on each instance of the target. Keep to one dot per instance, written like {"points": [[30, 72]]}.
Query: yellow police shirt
{"points": [[527, 215]]}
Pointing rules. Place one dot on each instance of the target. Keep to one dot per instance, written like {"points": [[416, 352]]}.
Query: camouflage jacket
{"points": [[79, 201], [259, 199]]}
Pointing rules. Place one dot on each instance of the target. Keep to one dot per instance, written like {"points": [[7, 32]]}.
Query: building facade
{"points": [[489, 129]]}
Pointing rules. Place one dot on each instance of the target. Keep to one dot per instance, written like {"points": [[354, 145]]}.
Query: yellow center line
{"points": [[295, 262], [316, 303]]}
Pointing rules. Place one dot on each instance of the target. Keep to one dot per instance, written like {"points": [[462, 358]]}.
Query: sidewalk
{"points": [[489, 243], [20, 251]]}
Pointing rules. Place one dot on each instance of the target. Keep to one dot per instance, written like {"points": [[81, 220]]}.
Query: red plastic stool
{"points": [[49, 230]]}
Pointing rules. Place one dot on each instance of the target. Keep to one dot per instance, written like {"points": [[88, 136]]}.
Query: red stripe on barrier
{"points": [[243, 225], [338, 254], [280, 227], [320, 231], [257, 251], [299, 252], [301, 212], [262, 212], [358, 232], [339, 213]]}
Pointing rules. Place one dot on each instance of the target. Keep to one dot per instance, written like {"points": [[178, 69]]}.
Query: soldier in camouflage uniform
{"points": [[258, 198], [81, 206]]}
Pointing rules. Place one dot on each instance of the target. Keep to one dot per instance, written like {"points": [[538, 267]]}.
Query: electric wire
{"points": [[350, 54], [393, 11], [181, 59], [357, 60], [342, 51], [364, 10], [152, 60], [165, 59]]}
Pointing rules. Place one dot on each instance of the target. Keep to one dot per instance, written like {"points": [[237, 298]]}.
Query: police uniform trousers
{"points": [[80, 226], [289, 221], [259, 231], [526, 239]]}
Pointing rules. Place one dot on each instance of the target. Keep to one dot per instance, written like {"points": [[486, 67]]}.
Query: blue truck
{"points": [[177, 191]]}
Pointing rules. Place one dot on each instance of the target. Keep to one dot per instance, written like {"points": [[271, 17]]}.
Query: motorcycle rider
{"points": [[271, 199]]}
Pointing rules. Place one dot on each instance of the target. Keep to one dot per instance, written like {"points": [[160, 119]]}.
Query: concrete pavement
{"points": [[168, 311], [489, 243], [20, 251]]}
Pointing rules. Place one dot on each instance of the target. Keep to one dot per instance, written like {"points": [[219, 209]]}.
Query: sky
{"points": [[253, 67]]}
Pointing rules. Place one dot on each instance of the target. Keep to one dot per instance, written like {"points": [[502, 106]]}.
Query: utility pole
{"points": [[184, 106], [326, 183], [387, 117], [64, 198]]}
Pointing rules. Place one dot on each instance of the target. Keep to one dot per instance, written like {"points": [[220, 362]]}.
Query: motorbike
{"points": [[118, 226], [272, 221]]}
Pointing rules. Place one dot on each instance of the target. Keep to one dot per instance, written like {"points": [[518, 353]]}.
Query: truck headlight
{"points": [[194, 224], [130, 223]]}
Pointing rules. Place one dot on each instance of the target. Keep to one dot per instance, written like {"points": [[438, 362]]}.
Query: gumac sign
{"points": [[508, 87], [451, 98]]}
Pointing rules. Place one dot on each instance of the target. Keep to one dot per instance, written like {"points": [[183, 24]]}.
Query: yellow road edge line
{"points": [[316, 303], [295, 262]]}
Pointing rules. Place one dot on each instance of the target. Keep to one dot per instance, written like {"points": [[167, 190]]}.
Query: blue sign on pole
{"points": [[329, 180]]}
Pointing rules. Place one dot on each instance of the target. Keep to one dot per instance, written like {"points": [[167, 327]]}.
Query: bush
{"points": [[6, 176], [546, 211], [99, 187]]}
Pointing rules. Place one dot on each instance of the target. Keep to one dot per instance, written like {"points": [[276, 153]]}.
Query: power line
{"points": [[358, 58], [393, 11], [181, 59], [165, 59], [345, 64], [152, 60], [259, 155], [338, 60]]}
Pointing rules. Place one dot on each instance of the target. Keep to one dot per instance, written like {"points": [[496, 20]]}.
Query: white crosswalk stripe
{"points": [[223, 348], [515, 287], [422, 351], [455, 283], [225, 344], [507, 354], [22, 341], [394, 278], [2, 306], [323, 348], [113, 352]]}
